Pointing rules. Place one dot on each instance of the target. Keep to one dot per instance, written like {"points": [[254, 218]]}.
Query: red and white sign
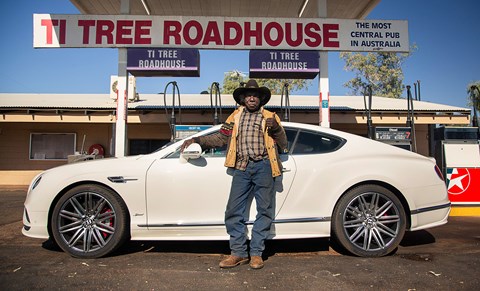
{"points": [[463, 185], [323, 34]]}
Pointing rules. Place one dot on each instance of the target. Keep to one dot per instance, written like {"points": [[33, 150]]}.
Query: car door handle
{"points": [[284, 170]]}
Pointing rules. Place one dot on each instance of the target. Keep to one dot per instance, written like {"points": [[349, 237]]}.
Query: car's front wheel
{"points": [[89, 221], [369, 221]]}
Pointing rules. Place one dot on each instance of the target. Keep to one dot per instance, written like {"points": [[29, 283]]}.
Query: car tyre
{"points": [[89, 221], [369, 221]]}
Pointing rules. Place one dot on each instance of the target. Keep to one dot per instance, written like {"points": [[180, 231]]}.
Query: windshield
{"points": [[164, 146]]}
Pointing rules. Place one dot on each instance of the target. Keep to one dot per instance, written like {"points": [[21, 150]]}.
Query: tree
{"points": [[473, 90], [233, 79], [381, 70]]}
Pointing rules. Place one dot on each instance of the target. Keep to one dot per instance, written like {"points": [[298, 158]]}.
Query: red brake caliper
{"points": [[109, 221]]}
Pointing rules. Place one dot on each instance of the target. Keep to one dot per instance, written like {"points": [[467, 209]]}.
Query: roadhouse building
{"points": [[40, 131]]}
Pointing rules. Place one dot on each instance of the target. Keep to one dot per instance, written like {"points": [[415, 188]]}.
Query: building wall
{"points": [[15, 164], [17, 169], [148, 131]]}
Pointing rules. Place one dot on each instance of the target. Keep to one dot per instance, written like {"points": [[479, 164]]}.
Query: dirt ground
{"points": [[442, 258]]}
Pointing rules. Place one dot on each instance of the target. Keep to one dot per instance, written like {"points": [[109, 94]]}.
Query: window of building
{"points": [[145, 146], [52, 146]]}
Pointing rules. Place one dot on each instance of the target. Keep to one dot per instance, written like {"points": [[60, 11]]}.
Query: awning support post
{"points": [[120, 132], [323, 83]]}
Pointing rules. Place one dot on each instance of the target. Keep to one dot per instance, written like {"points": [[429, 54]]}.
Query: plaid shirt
{"points": [[230, 133], [250, 142]]}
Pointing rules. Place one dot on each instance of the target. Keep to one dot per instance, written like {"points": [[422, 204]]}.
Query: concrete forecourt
{"points": [[442, 258]]}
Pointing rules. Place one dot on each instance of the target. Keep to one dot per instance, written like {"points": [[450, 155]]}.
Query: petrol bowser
{"points": [[179, 132], [402, 137], [457, 151], [397, 136]]}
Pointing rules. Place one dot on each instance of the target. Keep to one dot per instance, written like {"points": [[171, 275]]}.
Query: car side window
{"points": [[291, 136], [315, 143], [213, 152]]}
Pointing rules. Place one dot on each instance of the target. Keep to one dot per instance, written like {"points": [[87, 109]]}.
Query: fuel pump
{"points": [[457, 152], [285, 94], [411, 118], [172, 120], [402, 137], [217, 107], [368, 109]]}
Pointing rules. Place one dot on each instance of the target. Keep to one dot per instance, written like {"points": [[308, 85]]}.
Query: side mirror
{"points": [[193, 151]]}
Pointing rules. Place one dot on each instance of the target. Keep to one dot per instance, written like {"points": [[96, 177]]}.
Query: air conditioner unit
{"points": [[132, 88], [113, 87]]}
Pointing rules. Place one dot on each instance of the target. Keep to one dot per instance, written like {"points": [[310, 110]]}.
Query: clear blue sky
{"points": [[447, 59]]}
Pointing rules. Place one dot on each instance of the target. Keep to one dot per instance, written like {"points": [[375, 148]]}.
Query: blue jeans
{"points": [[257, 180]]}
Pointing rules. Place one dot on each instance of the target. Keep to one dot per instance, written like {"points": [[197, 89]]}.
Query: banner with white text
{"points": [[228, 33]]}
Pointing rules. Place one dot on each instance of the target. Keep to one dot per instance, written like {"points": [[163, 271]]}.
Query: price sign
{"points": [[393, 133]]}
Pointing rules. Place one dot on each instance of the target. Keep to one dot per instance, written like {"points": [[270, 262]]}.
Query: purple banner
{"points": [[284, 64], [181, 62]]}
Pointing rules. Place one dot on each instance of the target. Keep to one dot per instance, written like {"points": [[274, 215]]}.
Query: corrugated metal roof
{"points": [[199, 101], [352, 9]]}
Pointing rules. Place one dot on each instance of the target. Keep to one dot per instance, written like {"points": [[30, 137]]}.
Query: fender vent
{"points": [[120, 179]]}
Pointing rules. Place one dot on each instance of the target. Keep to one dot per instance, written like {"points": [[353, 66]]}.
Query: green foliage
{"points": [[473, 90], [233, 79], [381, 70]]}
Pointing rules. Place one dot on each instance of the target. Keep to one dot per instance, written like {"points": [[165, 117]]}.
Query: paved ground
{"points": [[443, 258]]}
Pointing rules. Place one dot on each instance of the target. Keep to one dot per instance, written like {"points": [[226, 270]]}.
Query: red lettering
{"points": [[227, 37], [311, 30], [172, 29], [289, 35], [256, 33], [126, 32], [124, 29], [63, 31], [104, 29], [49, 24], [142, 28], [268, 29], [212, 34], [186, 32], [330, 31], [86, 24]]}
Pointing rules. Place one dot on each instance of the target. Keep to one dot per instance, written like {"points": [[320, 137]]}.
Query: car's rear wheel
{"points": [[89, 221], [369, 221]]}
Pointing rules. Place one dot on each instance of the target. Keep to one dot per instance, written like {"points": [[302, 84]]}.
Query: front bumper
{"points": [[35, 224]]}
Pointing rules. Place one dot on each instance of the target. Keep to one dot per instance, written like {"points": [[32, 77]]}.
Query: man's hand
{"points": [[271, 122], [186, 143]]}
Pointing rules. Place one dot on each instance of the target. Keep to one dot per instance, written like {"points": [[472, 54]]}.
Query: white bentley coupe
{"points": [[363, 193]]}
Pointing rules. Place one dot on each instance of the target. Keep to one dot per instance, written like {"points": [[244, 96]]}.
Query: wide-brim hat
{"points": [[263, 92]]}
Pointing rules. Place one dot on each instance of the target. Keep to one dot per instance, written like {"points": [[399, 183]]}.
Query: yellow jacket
{"points": [[229, 131]]}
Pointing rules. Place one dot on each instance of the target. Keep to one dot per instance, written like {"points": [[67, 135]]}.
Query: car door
{"points": [[196, 192], [187, 193], [283, 182], [309, 197]]}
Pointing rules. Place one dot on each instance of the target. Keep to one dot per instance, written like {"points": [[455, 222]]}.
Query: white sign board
{"points": [[462, 155], [321, 34]]}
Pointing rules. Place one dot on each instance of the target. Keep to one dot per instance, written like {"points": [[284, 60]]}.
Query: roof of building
{"points": [[347, 9], [204, 101]]}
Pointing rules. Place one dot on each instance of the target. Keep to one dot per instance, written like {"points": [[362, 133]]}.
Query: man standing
{"points": [[253, 135]]}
